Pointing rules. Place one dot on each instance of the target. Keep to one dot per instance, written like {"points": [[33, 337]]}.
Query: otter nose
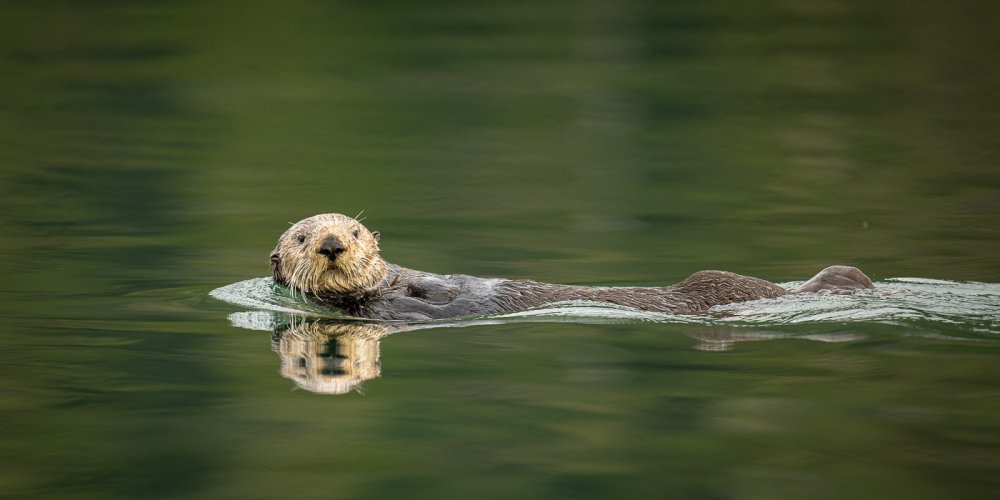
{"points": [[331, 247]]}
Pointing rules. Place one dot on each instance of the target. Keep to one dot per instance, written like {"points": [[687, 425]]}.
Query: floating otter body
{"points": [[335, 260]]}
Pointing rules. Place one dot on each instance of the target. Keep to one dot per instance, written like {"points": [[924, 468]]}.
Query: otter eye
{"points": [[357, 233], [301, 238]]}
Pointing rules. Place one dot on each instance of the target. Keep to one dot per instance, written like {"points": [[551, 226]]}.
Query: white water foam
{"points": [[971, 305]]}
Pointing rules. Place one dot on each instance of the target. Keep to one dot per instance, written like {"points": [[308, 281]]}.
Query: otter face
{"points": [[328, 254]]}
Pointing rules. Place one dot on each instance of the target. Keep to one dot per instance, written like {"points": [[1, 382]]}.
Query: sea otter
{"points": [[335, 260]]}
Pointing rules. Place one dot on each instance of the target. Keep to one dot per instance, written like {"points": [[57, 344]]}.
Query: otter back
{"points": [[418, 296]]}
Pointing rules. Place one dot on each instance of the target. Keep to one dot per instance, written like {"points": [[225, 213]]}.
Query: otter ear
{"points": [[376, 235]]}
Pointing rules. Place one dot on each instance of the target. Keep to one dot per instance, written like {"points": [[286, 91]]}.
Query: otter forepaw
{"points": [[841, 280]]}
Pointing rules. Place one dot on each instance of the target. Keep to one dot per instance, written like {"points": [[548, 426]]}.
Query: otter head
{"points": [[328, 254]]}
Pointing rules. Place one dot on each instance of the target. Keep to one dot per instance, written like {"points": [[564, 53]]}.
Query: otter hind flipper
{"points": [[839, 280]]}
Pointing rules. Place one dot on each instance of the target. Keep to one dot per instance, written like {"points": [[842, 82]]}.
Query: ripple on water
{"points": [[972, 305]]}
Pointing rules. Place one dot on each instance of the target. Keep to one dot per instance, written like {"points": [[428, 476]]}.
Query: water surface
{"points": [[153, 152]]}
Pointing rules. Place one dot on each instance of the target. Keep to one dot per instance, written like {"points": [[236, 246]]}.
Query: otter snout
{"points": [[331, 247]]}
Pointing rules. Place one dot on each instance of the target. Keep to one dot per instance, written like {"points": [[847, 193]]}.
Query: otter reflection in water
{"points": [[335, 357], [329, 357]]}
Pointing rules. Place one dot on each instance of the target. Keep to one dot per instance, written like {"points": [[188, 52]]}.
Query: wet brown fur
{"points": [[357, 281]]}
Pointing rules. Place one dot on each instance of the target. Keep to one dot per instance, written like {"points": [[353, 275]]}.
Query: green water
{"points": [[151, 152]]}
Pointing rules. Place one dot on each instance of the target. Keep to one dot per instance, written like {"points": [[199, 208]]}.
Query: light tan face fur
{"points": [[302, 258]]}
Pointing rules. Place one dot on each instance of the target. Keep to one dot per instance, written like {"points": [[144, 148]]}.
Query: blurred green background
{"points": [[152, 151]]}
